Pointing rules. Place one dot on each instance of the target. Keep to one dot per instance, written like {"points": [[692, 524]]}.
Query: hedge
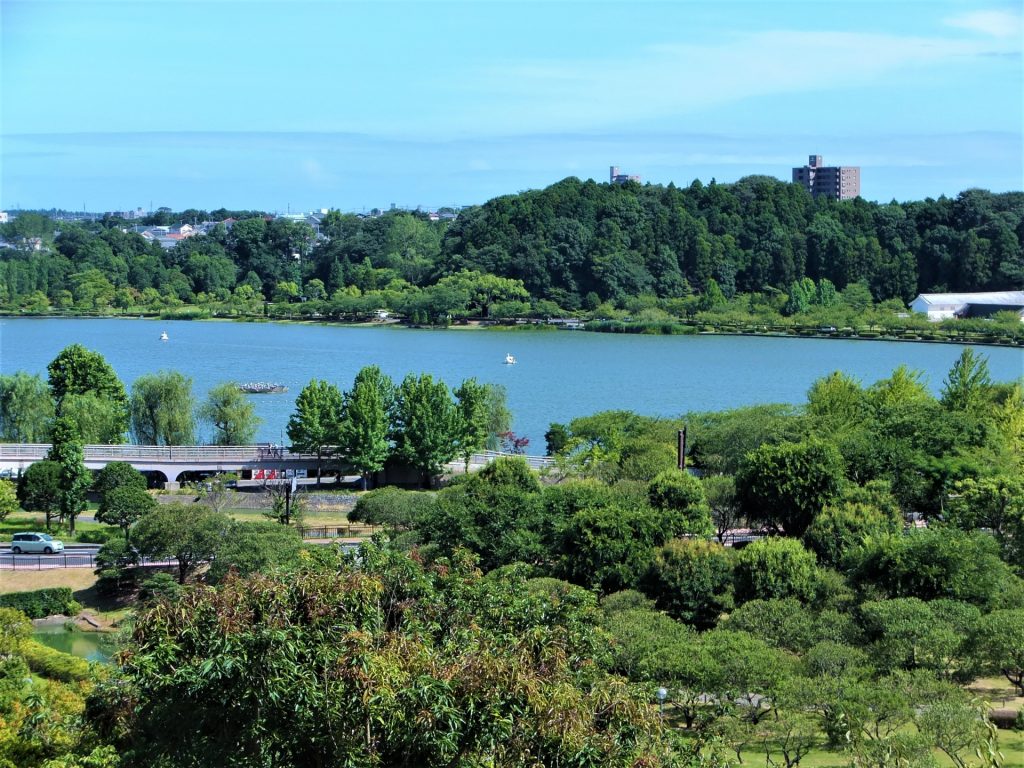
{"points": [[54, 664], [42, 602]]}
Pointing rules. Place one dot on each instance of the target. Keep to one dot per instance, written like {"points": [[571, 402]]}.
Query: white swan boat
{"points": [[510, 360], [164, 336]]}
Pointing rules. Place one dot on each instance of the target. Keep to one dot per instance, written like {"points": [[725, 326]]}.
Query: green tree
{"points": [[316, 425], [118, 474], [123, 506], [720, 491], [680, 497], [784, 486], [472, 417], [487, 687], [992, 503], [8, 499], [39, 489], [231, 415], [843, 526], [692, 581], [367, 423], [998, 644], [426, 424], [79, 371], [163, 409], [392, 508], [189, 534], [26, 408], [248, 548], [775, 568], [98, 420], [75, 479], [968, 382]]}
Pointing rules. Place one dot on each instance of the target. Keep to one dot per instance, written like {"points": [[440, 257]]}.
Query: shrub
{"points": [[54, 664], [40, 603]]}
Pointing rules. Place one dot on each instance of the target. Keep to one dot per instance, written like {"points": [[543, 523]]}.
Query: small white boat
{"points": [[164, 336], [510, 360]]}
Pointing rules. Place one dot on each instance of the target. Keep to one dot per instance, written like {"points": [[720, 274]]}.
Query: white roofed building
{"points": [[944, 306]]}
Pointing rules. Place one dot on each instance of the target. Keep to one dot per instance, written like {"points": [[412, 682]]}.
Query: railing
{"points": [[12, 562], [348, 530], [486, 457], [174, 454]]}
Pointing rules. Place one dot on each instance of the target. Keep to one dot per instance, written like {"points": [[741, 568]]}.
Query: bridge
{"points": [[170, 463]]}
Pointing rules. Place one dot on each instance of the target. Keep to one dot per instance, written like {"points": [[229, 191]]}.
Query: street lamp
{"points": [[662, 695]]}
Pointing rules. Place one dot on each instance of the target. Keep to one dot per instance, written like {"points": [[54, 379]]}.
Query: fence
{"points": [[348, 530], [11, 562]]}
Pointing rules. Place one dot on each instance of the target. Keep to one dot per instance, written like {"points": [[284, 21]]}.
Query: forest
{"points": [[574, 247]]}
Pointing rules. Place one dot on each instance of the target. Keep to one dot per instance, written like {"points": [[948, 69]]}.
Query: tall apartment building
{"points": [[838, 182]]}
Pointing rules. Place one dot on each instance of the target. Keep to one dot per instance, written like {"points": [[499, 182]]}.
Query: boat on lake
{"points": [[510, 360], [164, 336], [262, 388]]}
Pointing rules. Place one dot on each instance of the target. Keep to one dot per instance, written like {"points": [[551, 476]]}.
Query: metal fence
{"points": [[11, 562], [348, 530]]}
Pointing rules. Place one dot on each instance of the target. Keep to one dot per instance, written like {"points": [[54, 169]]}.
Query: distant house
{"points": [[943, 306], [185, 230]]}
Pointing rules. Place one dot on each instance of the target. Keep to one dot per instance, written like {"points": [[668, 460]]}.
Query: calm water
{"points": [[559, 375], [93, 646]]}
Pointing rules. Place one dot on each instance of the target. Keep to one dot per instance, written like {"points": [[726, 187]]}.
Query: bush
{"points": [[53, 664], [160, 585], [41, 603]]}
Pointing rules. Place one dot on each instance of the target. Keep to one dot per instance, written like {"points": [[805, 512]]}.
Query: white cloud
{"points": [[993, 23]]}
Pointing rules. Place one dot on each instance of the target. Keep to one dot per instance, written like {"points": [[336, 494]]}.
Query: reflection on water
{"points": [[93, 646]]}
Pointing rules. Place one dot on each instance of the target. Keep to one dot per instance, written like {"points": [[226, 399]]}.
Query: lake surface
{"points": [[559, 374], [92, 646]]}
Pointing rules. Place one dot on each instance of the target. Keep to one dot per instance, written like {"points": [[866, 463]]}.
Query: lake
{"points": [[559, 374]]}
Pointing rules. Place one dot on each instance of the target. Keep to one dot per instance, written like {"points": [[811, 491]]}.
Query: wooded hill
{"points": [[572, 245]]}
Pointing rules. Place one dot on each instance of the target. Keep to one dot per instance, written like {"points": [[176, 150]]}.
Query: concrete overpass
{"points": [[170, 463]]}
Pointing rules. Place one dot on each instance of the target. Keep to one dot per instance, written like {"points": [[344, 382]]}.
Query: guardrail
{"points": [[12, 562]]}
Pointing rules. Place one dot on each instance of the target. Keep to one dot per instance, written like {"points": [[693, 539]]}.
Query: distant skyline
{"points": [[304, 105]]}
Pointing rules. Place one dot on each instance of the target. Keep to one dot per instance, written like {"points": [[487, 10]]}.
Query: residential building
{"points": [[837, 182], [943, 306], [620, 178]]}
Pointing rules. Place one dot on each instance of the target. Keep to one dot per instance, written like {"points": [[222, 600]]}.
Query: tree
{"points": [[26, 408], [39, 489], [499, 417], [189, 534], [680, 496], [488, 687], [118, 474], [162, 409], [843, 526], [74, 478], [473, 418], [998, 644], [784, 486], [993, 503], [8, 499], [720, 491], [123, 506], [775, 567], [364, 431], [98, 420], [255, 548], [79, 371], [692, 581], [231, 414], [426, 424], [967, 383], [316, 424]]}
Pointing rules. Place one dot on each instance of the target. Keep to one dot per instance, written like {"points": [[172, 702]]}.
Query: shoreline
{"points": [[694, 329]]}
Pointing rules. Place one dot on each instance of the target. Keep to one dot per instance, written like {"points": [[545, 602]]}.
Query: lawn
{"points": [[86, 531]]}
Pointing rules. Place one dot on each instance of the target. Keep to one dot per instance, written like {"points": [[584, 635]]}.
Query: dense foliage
{"points": [[572, 246]]}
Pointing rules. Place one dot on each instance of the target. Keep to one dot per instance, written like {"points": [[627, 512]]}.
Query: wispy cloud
{"points": [[685, 79], [995, 23]]}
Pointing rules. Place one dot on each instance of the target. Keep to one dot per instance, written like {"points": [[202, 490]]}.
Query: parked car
{"points": [[35, 543]]}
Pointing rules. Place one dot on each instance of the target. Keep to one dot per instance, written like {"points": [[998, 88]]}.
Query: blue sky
{"points": [[303, 105]]}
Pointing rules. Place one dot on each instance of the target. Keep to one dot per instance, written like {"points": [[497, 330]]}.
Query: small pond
{"points": [[94, 646]]}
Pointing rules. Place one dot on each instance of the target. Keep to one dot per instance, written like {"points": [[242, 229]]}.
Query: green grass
{"points": [[85, 531]]}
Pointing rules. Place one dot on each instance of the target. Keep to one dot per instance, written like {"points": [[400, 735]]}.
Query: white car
{"points": [[36, 543]]}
